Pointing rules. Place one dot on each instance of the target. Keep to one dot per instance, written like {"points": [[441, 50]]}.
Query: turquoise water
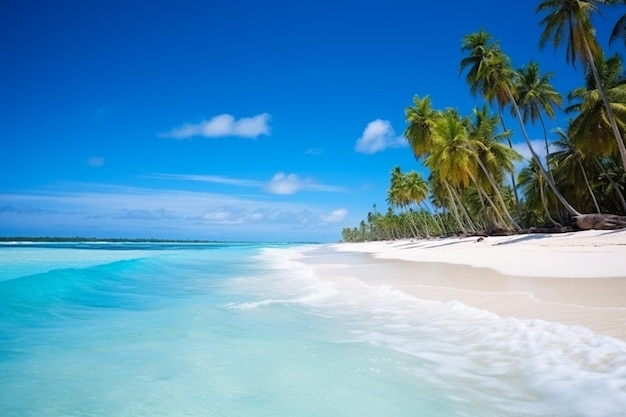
{"points": [[106, 329]]}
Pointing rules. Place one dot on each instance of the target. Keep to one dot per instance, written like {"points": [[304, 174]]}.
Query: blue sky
{"points": [[238, 120]]}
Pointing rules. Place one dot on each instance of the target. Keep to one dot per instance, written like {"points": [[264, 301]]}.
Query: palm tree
{"points": [[421, 123], [486, 68], [497, 158], [417, 193], [455, 159], [569, 164], [535, 188], [491, 74], [443, 197], [493, 158], [446, 134], [590, 129], [569, 21], [611, 172], [398, 193], [536, 96], [484, 78]]}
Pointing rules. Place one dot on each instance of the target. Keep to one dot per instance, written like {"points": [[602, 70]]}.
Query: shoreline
{"points": [[576, 278], [584, 254]]}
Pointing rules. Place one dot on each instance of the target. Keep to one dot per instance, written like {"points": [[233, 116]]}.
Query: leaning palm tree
{"points": [[616, 178], [482, 49], [498, 158], [456, 160], [569, 22], [421, 119], [493, 76], [494, 158], [405, 190], [421, 123], [417, 193], [569, 162], [443, 198], [590, 129], [536, 190], [536, 96], [489, 73], [398, 194]]}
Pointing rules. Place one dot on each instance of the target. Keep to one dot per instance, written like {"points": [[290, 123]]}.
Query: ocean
{"points": [[248, 329]]}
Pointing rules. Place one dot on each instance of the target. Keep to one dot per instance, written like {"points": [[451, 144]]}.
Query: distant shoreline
{"points": [[81, 239], [99, 239]]}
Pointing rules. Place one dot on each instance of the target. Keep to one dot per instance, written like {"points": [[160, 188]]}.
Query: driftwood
{"points": [[600, 221], [583, 222]]}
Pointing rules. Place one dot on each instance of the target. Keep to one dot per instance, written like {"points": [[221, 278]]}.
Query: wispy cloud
{"points": [[224, 125], [538, 145], [286, 184], [213, 179], [95, 161], [109, 210], [315, 151], [335, 216], [280, 183], [540, 149], [378, 136]]}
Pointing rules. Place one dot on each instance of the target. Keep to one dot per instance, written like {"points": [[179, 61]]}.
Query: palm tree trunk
{"points": [[518, 206], [572, 211], [455, 210], [613, 184], [545, 138], [436, 215], [413, 225], [607, 104], [500, 222], [471, 225], [424, 222], [440, 222], [544, 203], [593, 196], [495, 188]]}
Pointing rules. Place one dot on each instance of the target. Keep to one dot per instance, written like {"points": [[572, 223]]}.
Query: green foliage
{"points": [[467, 189]]}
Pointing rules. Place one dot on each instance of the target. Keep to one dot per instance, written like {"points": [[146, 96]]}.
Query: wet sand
{"points": [[574, 278]]}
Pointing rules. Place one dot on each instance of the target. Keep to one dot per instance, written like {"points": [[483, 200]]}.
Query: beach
{"points": [[576, 278]]}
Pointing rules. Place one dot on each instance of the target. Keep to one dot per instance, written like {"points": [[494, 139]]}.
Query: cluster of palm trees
{"points": [[472, 184]]}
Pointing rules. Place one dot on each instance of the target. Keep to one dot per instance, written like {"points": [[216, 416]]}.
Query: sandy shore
{"points": [[572, 278]]}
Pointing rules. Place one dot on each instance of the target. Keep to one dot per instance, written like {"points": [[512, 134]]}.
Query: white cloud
{"points": [[282, 183], [224, 125], [378, 136], [287, 184], [95, 161], [335, 216], [218, 215], [538, 145], [255, 216]]}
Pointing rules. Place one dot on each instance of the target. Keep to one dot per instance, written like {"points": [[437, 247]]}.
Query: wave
{"points": [[508, 362]]}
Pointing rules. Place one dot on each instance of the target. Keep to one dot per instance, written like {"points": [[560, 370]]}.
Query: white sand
{"points": [[587, 254], [573, 278]]}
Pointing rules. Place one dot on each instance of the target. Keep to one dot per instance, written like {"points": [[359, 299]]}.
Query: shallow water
{"points": [[249, 329]]}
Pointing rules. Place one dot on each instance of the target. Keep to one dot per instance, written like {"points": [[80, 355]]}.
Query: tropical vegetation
{"points": [[577, 179]]}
